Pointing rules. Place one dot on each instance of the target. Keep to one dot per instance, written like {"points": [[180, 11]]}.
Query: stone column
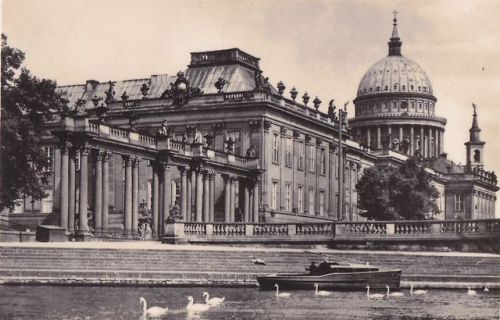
{"points": [[441, 141], [246, 208], [436, 142], [189, 193], [64, 200], [379, 146], [98, 192], [368, 137], [166, 201], [156, 203], [428, 147], [105, 191], [84, 226], [128, 196], [389, 130], [135, 195], [199, 195], [227, 202], [400, 134], [412, 141], [232, 199], [183, 172], [211, 177], [422, 142], [255, 199], [206, 197], [72, 191]]}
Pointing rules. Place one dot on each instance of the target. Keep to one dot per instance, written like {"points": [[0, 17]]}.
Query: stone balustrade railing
{"points": [[330, 231], [418, 229]]}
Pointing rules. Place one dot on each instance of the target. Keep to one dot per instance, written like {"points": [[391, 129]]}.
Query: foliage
{"points": [[27, 102], [392, 193]]}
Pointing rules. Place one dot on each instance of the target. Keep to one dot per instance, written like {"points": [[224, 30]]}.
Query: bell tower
{"points": [[475, 147]]}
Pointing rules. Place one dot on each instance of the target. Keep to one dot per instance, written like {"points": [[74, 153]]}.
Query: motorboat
{"points": [[334, 275]]}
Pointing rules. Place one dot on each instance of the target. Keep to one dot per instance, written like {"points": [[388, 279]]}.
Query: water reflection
{"points": [[86, 302]]}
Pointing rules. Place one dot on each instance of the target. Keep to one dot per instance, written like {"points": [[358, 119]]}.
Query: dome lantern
{"points": [[395, 43]]}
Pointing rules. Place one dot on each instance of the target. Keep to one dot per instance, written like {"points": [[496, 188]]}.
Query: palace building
{"points": [[218, 142]]}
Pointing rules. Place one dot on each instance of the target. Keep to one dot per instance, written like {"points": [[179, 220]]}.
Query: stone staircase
{"points": [[228, 267]]}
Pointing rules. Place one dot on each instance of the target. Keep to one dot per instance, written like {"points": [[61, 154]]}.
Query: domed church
{"points": [[395, 106]]}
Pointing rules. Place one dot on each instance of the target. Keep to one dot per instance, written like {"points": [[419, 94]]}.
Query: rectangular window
{"points": [[236, 137], [459, 205], [288, 198], [300, 155], [274, 195], [276, 153], [49, 153], [322, 162], [288, 152], [321, 203], [312, 158], [311, 202], [300, 199]]}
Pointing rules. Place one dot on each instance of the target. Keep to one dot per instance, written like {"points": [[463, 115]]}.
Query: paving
{"points": [[154, 263]]}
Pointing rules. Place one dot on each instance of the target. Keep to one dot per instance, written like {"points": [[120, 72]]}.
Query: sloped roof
{"points": [[446, 166], [239, 77]]}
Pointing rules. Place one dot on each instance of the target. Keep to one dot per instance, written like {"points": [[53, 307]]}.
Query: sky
{"points": [[323, 47]]}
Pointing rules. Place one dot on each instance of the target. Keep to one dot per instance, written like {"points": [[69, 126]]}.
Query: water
{"points": [[87, 302]]}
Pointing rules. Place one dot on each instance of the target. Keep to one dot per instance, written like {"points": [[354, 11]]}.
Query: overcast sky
{"points": [[323, 47]]}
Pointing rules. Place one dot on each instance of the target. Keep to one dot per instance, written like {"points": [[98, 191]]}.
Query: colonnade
{"points": [[431, 146], [203, 181]]}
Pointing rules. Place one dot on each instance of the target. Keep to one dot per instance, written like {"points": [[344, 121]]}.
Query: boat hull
{"points": [[338, 281]]}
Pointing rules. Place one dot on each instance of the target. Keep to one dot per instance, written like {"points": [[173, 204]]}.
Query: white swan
{"points": [[153, 311], [196, 307], [471, 292], [321, 293], [393, 294], [417, 292], [214, 301], [258, 261], [486, 289], [282, 294], [374, 296]]}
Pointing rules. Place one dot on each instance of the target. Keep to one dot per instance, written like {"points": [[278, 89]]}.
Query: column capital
{"points": [[106, 155], [136, 160], [127, 161], [164, 165], [100, 154], [211, 174], [226, 177], [65, 147], [183, 170], [85, 149]]}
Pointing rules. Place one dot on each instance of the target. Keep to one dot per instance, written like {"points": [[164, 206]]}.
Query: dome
{"points": [[395, 73]]}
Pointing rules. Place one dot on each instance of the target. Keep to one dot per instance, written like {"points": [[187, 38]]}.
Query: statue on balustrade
{"points": [[251, 152], [404, 145], [198, 137], [493, 177], [164, 130], [230, 145], [331, 111]]}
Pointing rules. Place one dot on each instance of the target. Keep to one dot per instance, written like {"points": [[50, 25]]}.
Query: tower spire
{"points": [[474, 130], [395, 43]]}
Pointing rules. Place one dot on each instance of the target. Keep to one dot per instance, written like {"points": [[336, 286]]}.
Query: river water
{"points": [[88, 302]]}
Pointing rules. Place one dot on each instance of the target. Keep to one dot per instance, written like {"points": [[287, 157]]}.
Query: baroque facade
{"points": [[219, 143]]}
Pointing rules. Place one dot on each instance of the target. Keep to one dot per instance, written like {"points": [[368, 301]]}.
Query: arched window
{"points": [[477, 156]]}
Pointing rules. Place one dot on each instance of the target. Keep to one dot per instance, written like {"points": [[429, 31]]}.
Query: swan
{"points": [[258, 261], [321, 293], [282, 294], [486, 289], [471, 292], [196, 307], [417, 292], [153, 311], [393, 294], [214, 301], [374, 296]]}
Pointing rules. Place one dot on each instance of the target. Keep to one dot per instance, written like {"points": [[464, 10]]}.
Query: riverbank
{"points": [[155, 264]]}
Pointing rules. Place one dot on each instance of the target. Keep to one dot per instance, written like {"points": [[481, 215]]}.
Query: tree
{"points": [[27, 103], [392, 193]]}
